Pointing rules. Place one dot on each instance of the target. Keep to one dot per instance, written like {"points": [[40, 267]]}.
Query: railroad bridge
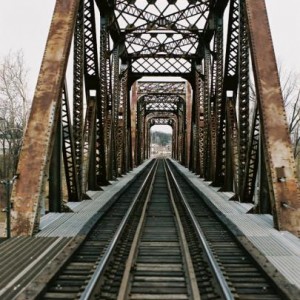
{"points": [[207, 69]]}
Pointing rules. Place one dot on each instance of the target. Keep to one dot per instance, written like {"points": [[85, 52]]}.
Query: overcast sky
{"points": [[24, 24]]}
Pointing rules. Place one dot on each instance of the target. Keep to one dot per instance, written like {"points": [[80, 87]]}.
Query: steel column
{"points": [[55, 178], [104, 108], [68, 149], [78, 96], [39, 137], [134, 123], [230, 85], [121, 122], [276, 142], [243, 107], [216, 96], [96, 159]]}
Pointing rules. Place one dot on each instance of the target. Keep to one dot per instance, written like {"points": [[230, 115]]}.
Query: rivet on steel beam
{"points": [[286, 205], [280, 174]]}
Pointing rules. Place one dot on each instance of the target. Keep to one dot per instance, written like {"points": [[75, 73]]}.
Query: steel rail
{"points": [[184, 245], [89, 289], [123, 291], [134, 247], [225, 290]]}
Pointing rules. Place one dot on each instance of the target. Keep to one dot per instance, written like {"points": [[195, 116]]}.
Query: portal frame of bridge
{"points": [[161, 100]]}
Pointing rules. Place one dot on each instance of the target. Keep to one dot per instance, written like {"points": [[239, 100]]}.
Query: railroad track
{"points": [[159, 265], [244, 276], [161, 243], [71, 280]]}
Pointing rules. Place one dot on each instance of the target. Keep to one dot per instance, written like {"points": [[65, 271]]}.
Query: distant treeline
{"points": [[161, 138]]}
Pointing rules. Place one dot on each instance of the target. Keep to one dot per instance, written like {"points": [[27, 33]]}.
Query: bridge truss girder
{"points": [[161, 102], [182, 38]]}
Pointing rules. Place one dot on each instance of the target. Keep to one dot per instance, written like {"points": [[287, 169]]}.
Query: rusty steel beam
{"points": [[199, 136], [134, 122], [105, 89], [78, 101], [127, 125], [251, 167], [206, 157], [244, 98], [68, 149], [121, 123], [112, 151], [216, 114], [139, 133], [55, 179], [276, 143], [194, 137], [39, 137], [188, 123], [230, 84]]}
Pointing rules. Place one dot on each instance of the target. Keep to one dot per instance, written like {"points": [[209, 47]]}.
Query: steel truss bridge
{"points": [[99, 120]]}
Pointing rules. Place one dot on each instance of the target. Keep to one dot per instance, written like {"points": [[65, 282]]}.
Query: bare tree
{"points": [[14, 106], [291, 96], [290, 87]]}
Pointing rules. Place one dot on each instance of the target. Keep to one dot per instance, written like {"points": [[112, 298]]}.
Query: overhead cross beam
{"points": [[161, 38]]}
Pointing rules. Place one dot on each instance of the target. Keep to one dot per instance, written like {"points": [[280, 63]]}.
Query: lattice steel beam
{"points": [[230, 85], [106, 90], [78, 95], [93, 93], [251, 167], [244, 99], [73, 184], [165, 87], [161, 38], [216, 96]]}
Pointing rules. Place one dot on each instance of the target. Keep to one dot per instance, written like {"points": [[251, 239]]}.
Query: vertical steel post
{"points": [[216, 95], [8, 208], [104, 87], [92, 174], [188, 120], [134, 123], [206, 153], [68, 146], [243, 112], [77, 128], [114, 114], [55, 180], [229, 84], [7, 185]]}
